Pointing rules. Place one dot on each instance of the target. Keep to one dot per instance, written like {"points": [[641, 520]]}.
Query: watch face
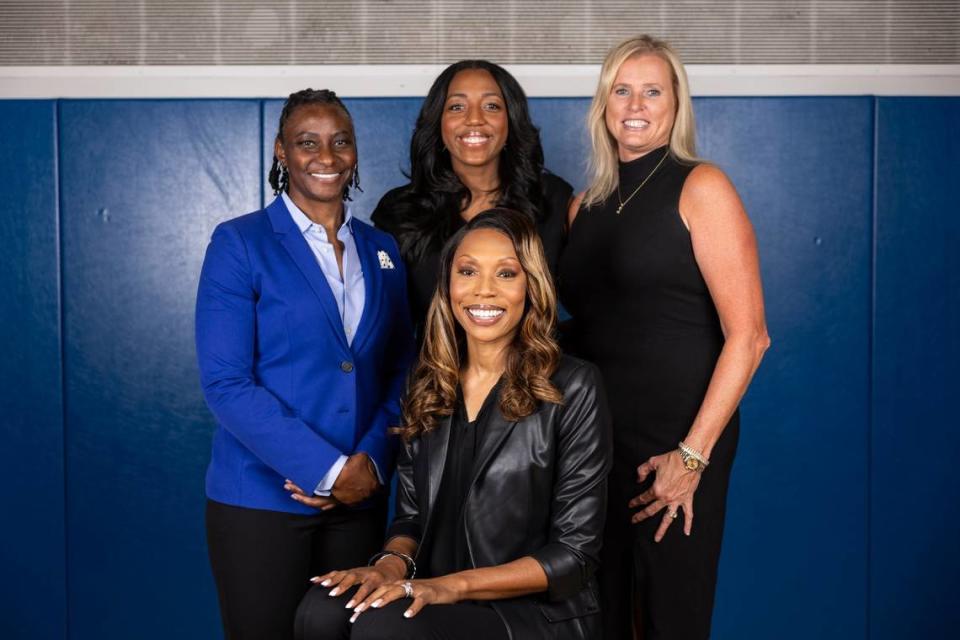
{"points": [[692, 464]]}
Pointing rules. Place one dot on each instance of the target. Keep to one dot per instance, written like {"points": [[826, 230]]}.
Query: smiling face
{"points": [[488, 287], [474, 125], [641, 107], [319, 152]]}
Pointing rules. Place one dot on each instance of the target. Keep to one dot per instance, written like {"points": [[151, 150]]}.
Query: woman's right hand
{"points": [[387, 569]]}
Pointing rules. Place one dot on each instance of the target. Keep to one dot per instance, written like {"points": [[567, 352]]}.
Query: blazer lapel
{"points": [[295, 244], [436, 443], [498, 428], [372, 284]]}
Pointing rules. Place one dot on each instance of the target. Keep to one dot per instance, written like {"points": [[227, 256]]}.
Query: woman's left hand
{"points": [[320, 503], [673, 488], [430, 591]]}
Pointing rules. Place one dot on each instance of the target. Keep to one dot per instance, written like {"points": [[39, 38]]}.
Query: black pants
{"points": [[262, 561], [666, 587], [321, 617]]}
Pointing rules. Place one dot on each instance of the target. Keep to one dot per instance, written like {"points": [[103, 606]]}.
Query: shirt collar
{"points": [[305, 224]]}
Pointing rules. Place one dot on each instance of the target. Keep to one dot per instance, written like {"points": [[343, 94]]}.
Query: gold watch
{"points": [[692, 459]]}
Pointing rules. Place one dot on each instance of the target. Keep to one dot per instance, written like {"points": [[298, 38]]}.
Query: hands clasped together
{"points": [[673, 488], [383, 583], [357, 481]]}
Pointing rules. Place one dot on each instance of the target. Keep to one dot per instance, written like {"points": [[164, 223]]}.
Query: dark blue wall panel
{"points": [[143, 185], [915, 519], [563, 131], [31, 405], [794, 559], [812, 548]]}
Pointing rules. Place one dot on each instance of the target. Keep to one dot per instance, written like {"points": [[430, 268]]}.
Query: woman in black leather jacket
{"points": [[502, 480]]}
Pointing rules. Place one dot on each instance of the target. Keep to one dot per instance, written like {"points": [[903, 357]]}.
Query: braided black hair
{"points": [[279, 179]]}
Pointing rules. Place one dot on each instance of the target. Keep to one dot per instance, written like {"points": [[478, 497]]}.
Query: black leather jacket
{"points": [[539, 490]]}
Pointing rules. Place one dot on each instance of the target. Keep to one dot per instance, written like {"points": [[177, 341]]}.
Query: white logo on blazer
{"points": [[385, 262]]}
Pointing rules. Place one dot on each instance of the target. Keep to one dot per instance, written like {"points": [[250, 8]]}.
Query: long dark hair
{"points": [[534, 354], [278, 177], [428, 212]]}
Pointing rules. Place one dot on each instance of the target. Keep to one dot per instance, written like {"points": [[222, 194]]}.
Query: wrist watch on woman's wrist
{"points": [[692, 459]]}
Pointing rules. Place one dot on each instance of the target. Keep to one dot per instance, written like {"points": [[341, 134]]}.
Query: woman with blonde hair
{"points": [[661, 276], [502, 482]]}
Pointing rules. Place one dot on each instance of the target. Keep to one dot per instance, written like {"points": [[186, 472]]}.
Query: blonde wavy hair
{"points": [[534, 354], [603, 167]]}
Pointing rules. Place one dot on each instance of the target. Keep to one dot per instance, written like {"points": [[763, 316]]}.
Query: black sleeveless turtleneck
{"points": [[641, 309]]}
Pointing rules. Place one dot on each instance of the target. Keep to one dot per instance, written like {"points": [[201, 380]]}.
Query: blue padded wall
{"points": [[915, 520], [31, 401], [797, 515], [563, 132], [143, 185], [832, 532]]}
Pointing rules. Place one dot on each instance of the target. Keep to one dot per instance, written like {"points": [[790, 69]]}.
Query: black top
{"points": [[449, 552], [641, 309], [423, 272]]}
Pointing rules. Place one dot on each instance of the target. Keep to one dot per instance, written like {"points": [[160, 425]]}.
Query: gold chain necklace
{"points": [[623, 202]]}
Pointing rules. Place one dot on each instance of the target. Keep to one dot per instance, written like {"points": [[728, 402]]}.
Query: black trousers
{"points": [[262, 561], [321, 617]]}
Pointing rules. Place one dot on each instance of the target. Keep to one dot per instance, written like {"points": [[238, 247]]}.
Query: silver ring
{"points": [[675, 514], [407, 589]]}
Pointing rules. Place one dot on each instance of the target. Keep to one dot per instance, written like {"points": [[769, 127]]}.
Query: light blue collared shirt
{"points": [[348, 288], [348, 291]]}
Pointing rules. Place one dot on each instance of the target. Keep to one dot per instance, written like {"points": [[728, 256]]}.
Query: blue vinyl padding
{"points": [[842, 518]]}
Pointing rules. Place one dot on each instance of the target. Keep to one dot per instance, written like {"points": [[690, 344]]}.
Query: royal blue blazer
{"points": [[288, 393]]}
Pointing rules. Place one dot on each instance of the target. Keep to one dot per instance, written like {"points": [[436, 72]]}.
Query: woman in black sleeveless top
{"points": [[661, 276], [474, 147]]}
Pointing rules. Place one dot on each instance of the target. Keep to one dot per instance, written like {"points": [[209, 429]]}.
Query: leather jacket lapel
{"points": [[498, 428], [436, 443]]}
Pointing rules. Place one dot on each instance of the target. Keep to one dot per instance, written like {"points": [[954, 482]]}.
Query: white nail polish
{"points": [[353, 618], [407, 614], [334, 591], [376, 604], [325, 583]]}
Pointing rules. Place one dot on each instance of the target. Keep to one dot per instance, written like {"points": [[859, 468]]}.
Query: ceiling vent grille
{"points": [[302, 32]]}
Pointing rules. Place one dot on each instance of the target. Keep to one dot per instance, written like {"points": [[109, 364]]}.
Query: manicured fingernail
{"points": [[325, 583], [376, 604], [354, 617], [407, 613], [349, 605], [334, 591]]}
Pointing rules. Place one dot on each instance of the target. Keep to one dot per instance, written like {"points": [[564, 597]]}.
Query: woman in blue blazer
{"points": [[303, 340]]}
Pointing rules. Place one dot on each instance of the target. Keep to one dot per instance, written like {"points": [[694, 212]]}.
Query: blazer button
{"points": [[346, 366]]}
